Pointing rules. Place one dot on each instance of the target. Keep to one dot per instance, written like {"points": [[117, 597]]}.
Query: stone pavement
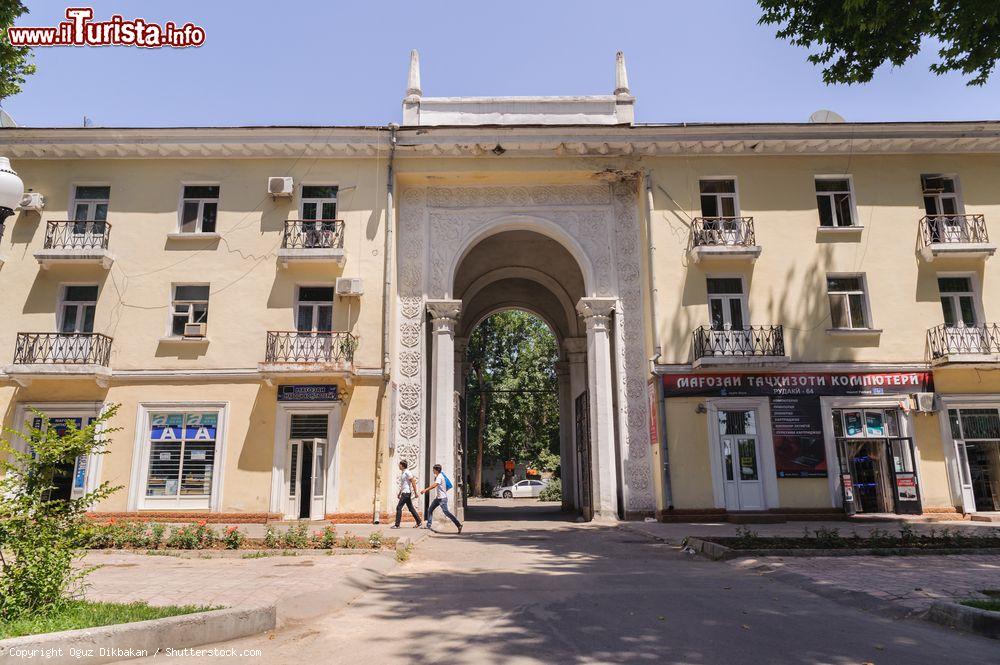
{"points": [[531, 586]]}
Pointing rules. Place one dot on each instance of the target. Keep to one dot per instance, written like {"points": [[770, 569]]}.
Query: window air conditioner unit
{"points": [[925, 402], [349, 286], [280, 186], [195, 329], [32, 201]]}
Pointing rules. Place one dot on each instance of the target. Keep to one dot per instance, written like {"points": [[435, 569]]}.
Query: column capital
{"points": [[445, 310], [576, 349], [591, 307]]}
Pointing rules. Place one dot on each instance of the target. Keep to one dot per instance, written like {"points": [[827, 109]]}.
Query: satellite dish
{"points": [[6, 120], [825, 116]]}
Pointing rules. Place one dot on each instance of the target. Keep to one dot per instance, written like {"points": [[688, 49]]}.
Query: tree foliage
{"points": [[15, 61], [513, 407], [852, 38]]}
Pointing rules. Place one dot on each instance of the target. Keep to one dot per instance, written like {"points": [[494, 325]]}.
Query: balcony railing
{"points": [[313, 234], [941, 229], [722, 232], [77, 235], [947, 340], [750, 342], [62, 349], [310, 347]]}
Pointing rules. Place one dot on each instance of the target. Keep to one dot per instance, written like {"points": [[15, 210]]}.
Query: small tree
{"points": [[40, 536], [15, 62]]}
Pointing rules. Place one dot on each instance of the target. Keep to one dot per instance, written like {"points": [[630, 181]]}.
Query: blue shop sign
{"points": [[319, 393]]}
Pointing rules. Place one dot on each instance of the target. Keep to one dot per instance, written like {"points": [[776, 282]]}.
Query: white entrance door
{"points": [[306, 473], [740, 453]]}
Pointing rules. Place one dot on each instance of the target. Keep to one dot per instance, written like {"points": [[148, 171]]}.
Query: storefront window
{"points": [[181, 454], [737, 422]]}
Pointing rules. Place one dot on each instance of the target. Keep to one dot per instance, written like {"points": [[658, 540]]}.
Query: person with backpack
{"points": [[441, 485], [407, 486]]}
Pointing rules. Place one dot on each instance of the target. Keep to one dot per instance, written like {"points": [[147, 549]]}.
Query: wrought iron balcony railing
{"points": [[313, 234], [62, 349], [947, 340], [77, 235], [722, 231], [751, 341], [309, 347], [939, 229]]}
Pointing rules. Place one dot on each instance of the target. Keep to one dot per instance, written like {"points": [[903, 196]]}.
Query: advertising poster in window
{"points": [[797, 428]]}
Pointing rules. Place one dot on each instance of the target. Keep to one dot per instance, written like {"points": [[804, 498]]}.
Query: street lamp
{"points": [[11, 191]]}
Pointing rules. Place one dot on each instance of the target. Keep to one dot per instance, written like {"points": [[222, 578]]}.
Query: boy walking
{"points": [[407, 488], [440, 487]]}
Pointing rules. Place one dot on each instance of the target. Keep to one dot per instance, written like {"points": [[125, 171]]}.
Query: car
{"points": [[520, 489]]}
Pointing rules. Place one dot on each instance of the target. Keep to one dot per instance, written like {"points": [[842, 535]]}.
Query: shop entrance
{"points": [[306, 470], [976, 433], [741, 478]]}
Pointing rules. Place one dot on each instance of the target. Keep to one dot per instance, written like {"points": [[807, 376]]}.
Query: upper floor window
{"points": [[727, 304], [199, 208], [314, 312], [190, 305], [848, 301], [319, 202], [90, 203], [940, 195], [77, 309], [833, 199], [718, 197], [958, 301]]}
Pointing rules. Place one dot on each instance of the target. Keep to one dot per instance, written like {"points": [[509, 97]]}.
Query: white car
{"points": [[520, 490]]}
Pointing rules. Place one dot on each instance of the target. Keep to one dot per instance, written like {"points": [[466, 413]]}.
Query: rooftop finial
{"points": [[621, 75], [413, 90]]}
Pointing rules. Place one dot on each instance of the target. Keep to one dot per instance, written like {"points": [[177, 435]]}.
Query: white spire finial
{"points": [[621, 75], [413, 82]]}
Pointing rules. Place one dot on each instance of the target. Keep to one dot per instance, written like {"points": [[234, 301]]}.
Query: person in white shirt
{"points": [[440, 487], [407, 488]]}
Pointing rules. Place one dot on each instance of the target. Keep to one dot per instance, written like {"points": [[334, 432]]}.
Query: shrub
{"points": [[40, 536], [297, 537], [270, 538], [375, 540], [197, 536], [352, 542], [327, 538], [552, 491], [155, 536], [233, 538]]}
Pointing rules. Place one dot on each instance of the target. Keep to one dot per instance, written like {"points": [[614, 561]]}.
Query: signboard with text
{"points": [[308, 393]]}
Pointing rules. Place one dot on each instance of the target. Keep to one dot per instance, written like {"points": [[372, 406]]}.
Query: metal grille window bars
{"points": [[309, 347], [935, 229], [946, 340], [62, 349], [751, 341], [313, 234], [714, 231], [77, 235]]}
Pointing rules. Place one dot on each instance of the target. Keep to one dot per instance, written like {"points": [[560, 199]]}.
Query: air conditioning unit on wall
{"points": [[195, 329], [32, 201], [349, 286], [926, 402], [280, 187]]}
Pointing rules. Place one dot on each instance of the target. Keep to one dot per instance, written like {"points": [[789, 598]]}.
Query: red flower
{"points": [[231, 529], [202, 522]]}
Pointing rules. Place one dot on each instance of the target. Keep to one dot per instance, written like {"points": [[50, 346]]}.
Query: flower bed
{"points": [[201, 536], [907, 539]]}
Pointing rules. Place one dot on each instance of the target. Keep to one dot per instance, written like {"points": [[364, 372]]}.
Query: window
{"points": [[190, 305], [199, 208], [866, 423], [76, 312], [315, 309], [726, 303], [181, 454], [958, 301], [940, 195], [90, 204], [718, 198], [848, 303], [319, 202], [833, 198]]}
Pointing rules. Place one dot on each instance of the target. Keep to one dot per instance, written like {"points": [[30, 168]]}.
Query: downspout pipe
{"points": [[668, 497], [390, 219]]}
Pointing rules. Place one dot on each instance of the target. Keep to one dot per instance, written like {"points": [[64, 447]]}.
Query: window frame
{"points": [[174, 302], [735, 195], [303, 200], [743, 297], [62, 301], [959, 197], [865, 299], [74, 200], [201, 209], [850, 192], [313, 303], [976, 293]]}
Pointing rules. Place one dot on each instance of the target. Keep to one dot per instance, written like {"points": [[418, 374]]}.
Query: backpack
{"points": [[447, 482]]}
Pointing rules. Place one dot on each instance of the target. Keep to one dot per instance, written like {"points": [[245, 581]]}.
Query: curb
{"points": [[718, 552], [107, 644], [240, 554], [964, 618]]}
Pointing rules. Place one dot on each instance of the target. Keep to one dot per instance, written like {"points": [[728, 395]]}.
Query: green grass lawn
{"points": [[993, 604], [83, 614]]}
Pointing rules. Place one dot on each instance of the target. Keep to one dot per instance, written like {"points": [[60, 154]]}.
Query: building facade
{"points": [[781, 318]]}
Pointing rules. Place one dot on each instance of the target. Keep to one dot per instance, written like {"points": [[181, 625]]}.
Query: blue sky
{"points": [[334, 62]]}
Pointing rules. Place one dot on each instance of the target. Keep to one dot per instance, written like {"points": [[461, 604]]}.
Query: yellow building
{"points": [[752, 318]]}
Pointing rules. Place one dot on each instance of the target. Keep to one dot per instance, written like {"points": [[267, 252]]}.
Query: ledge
{"points": [[970, 359], [186, 237], [49, 257], [343, 368], [854, 332], [311, 255], [176, 339], [725, 253], [958, 250], [24, 374], [834, 233]]}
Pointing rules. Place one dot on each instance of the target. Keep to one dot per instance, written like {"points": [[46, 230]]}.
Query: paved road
{"points": [[546, 590]]}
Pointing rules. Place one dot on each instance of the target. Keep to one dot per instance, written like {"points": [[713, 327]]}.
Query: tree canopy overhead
{"points": [[853, 38], [15, 62]]}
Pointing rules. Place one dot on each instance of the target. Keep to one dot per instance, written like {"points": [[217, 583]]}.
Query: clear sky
{"points": [[273, 62]]}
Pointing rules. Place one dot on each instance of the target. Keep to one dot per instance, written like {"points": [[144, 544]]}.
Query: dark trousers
{"points": [[444, 509], [406, 500]]}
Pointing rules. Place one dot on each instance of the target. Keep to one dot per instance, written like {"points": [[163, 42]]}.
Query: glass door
{"points": [[314, 322], [293, 472], [740, 454], [727, 311], [906, 497], [976, 433], [317, 508], [942, 207], [961, 320], [90, 211]]}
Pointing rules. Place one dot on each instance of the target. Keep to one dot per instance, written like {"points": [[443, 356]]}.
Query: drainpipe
{"points": [[668, 500], [386, 292]]}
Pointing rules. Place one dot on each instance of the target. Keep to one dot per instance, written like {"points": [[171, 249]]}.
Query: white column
{"points": [[597, 314], [567, 445], [461, 370], [444, 317], [576, 354]]}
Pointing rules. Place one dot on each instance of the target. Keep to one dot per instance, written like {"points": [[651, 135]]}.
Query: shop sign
{"points": [[906, 486], [308, 393], [797, 429]]}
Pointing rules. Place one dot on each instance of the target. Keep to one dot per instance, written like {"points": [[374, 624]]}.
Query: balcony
{"points": [[955, 236], [726, 238], [751, 346], [312, 241], [62, 355], [974, 344], [292, 352], [77, 243]]}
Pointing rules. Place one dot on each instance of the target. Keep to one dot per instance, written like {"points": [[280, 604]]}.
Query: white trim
{"points": [[283, 415], [855, 220], [302, 200], [869, 326], [71, 208], [736, 194], [137, 499], [765, 446], [198, 233], [173, 303], [959, 197], [977, 292], [61, 301]]}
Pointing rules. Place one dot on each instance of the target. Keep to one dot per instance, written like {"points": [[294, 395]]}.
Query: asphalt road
{"points": [[525, 585]]}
